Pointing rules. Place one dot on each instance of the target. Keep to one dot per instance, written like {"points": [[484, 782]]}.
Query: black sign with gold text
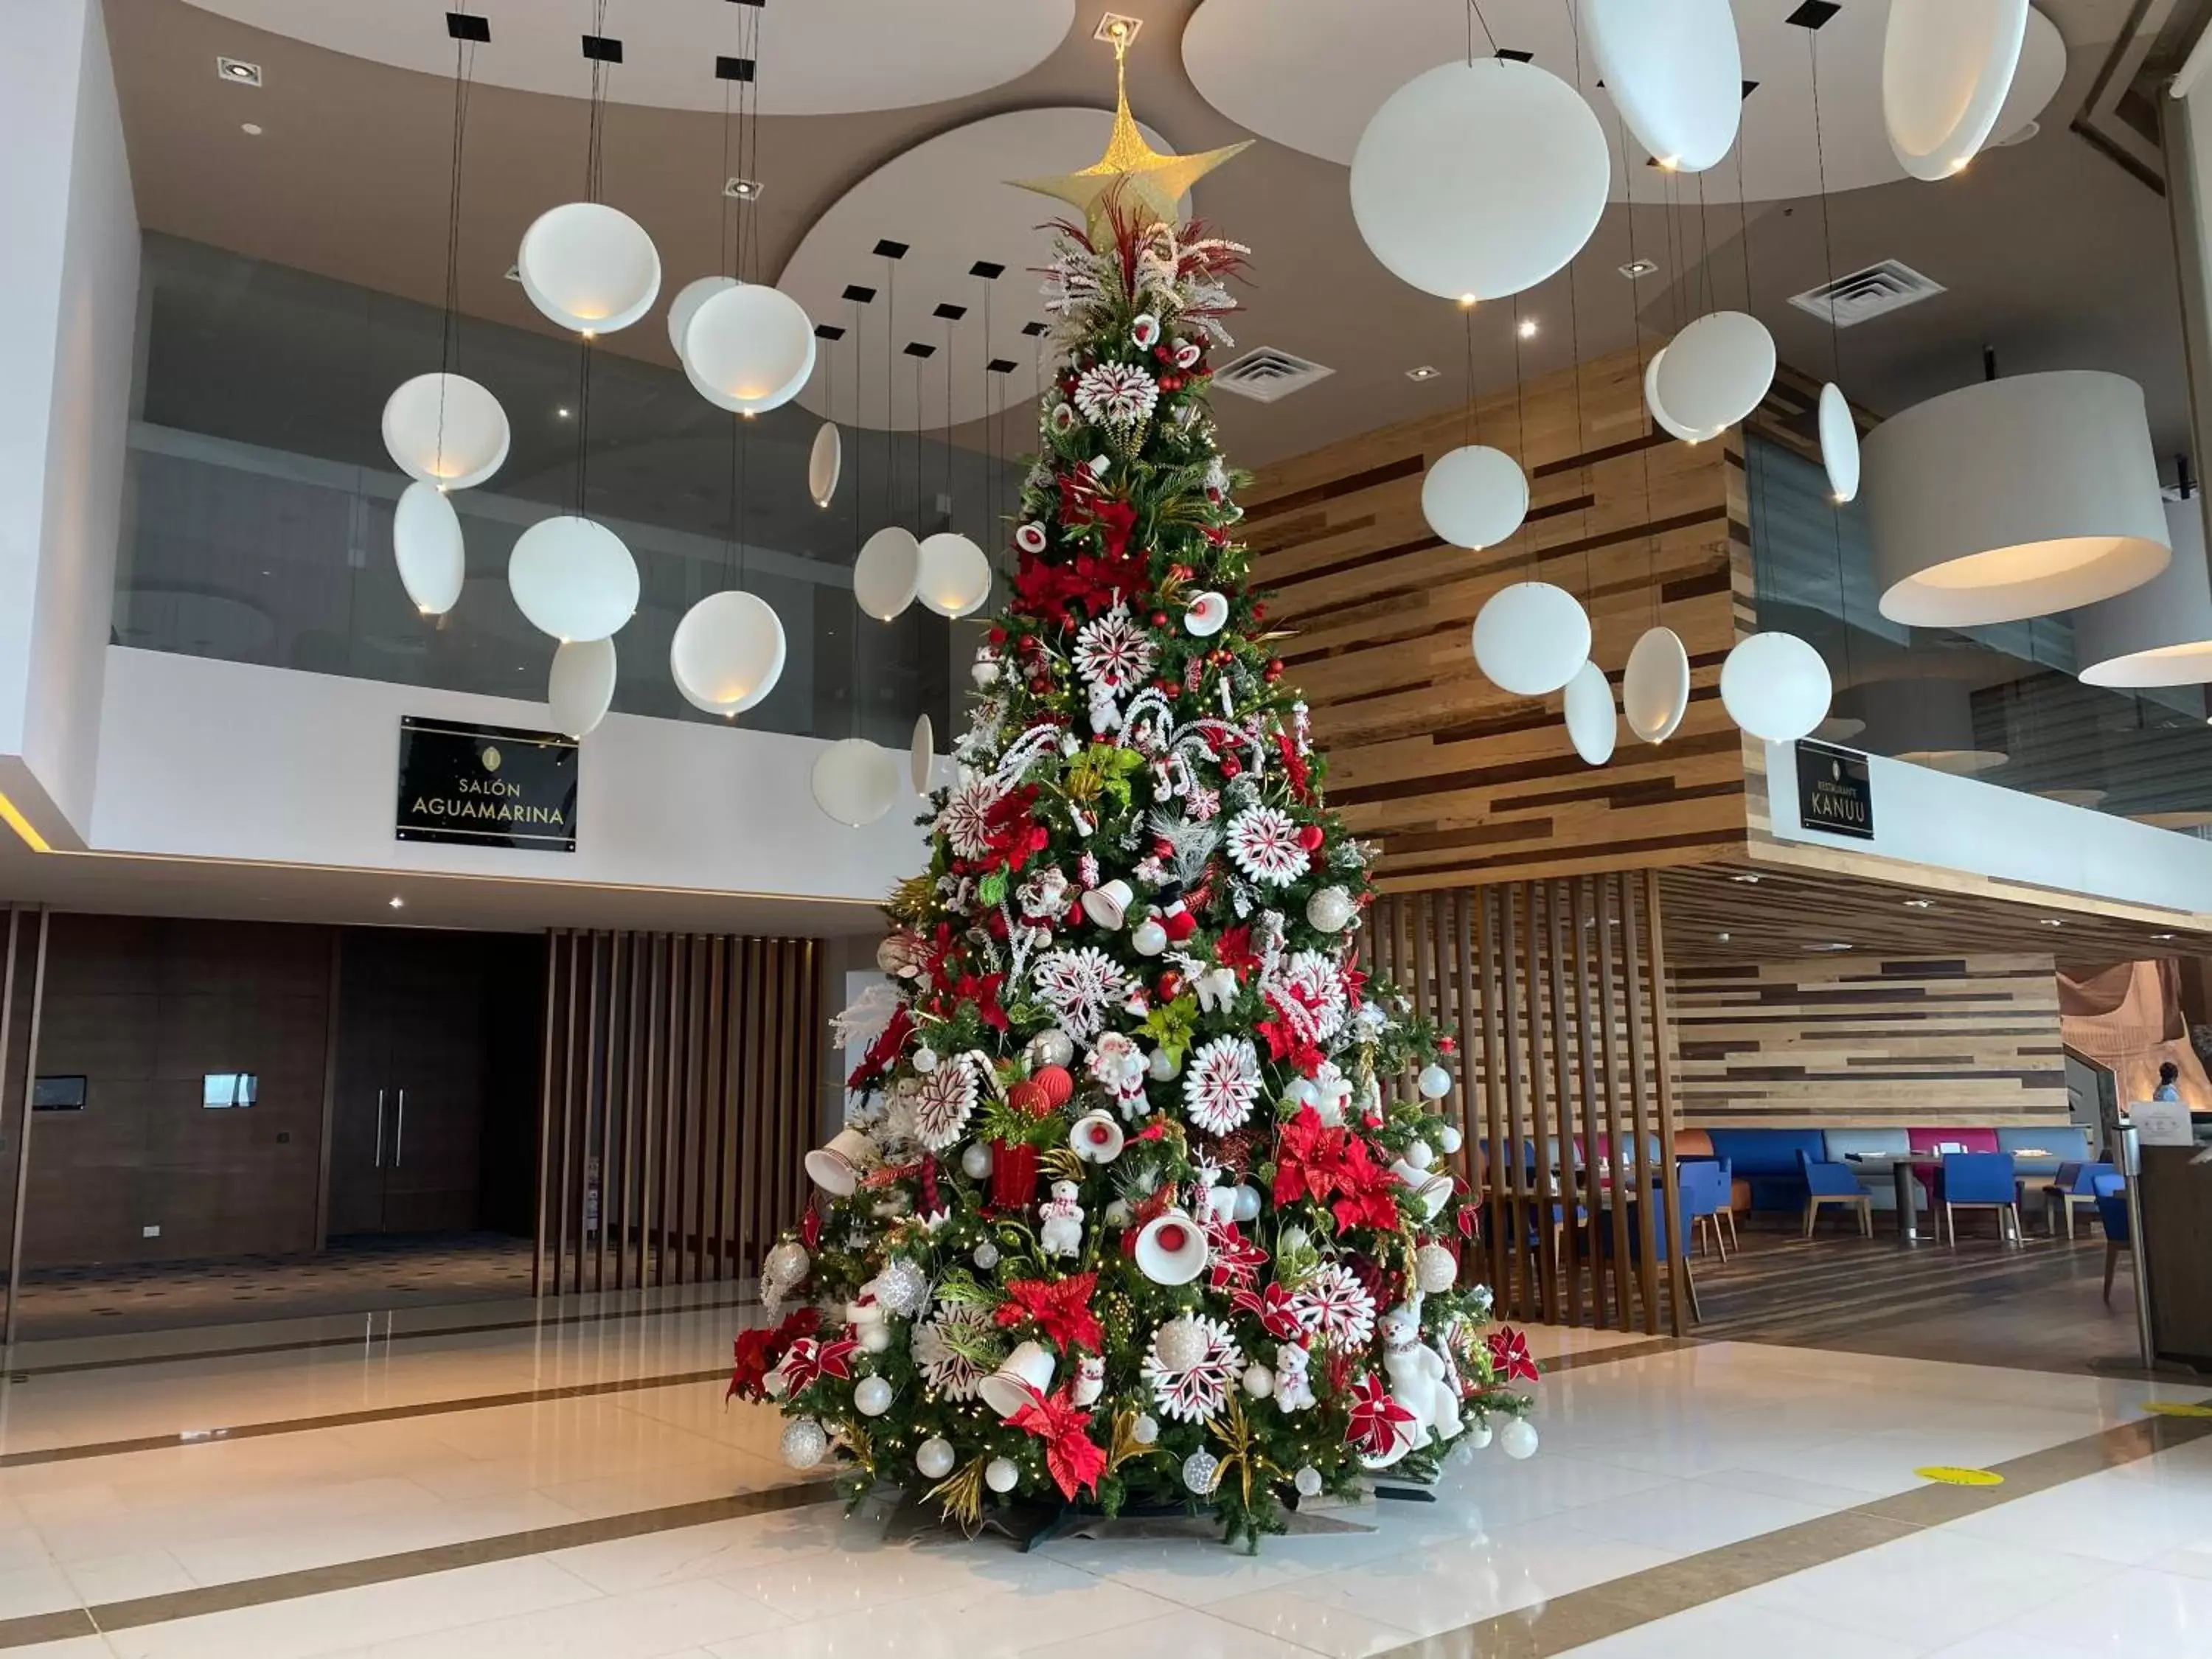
{"points": [[486, 786], [1833, 793]]}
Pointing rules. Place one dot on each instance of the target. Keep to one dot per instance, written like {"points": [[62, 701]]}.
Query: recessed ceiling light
{"points": [[1746, 880], [1113, 25], [1640, 267], [1724, 938], [1920, 904], [1527, 328], [397, 902], [238, 71], [562, 413], [2052, 921], [251, 128], [744, 190], [2163, 936], [1426, 372]]}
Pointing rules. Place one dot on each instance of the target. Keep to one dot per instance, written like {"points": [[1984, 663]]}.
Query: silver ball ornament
{"points": [[933, 1457], [1052, 1048], [1145, 1430], [871, 1396], [975, 1160], [805, 1443], [986, 1255], [1248, 1203], [925, 1060], [1517, 1439], [1200, 1471], [901, 1288], [787, 1262], [1002, 1474], [1419, 1154], [1308, 1480], [1330, 910]]}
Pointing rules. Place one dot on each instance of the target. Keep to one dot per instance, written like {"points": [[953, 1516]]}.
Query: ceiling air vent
{"points": [[1848, 301], [1266, 375]]}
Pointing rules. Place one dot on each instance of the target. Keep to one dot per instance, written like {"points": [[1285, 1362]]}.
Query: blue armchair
{"points": [[2111, 1191], [1707, 1187], [1827, 1184], [2073, 1186], [1982, 1181]]}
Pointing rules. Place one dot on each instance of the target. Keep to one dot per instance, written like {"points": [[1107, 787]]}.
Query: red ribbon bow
{"points": [[1509, 1355], [1058, 1308], [1074, 1459]]}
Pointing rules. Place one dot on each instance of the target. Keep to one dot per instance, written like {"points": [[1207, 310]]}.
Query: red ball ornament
{"points": [[1231, 766], [1056, 1083], [1029, 1099], [1310, 837], [1170, 985], [1259, 611], [1274, 671], [997, 636]]}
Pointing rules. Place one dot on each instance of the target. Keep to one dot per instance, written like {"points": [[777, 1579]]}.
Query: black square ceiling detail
{"points": [[1750, 87], [1512, 57], [890, 250], [1002, 366], [462, 27], [989, 270], [1033, 329], [602, 49], [1813, 13], [920, 349], [828, 332], [732, 69], [950, 312], [865, 296]]}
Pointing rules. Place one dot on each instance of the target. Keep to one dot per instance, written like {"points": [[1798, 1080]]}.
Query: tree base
{"points": [[1027, 1525]]}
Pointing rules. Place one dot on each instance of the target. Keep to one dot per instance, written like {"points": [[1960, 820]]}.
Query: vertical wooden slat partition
{"points": [[1556, 991], [681, 1087]]}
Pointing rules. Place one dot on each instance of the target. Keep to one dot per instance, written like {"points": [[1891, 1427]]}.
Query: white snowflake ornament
{"points": [[1264, 842], [1220, 1083]]}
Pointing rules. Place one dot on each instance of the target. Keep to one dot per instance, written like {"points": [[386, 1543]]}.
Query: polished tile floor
{"points": [[506, 1480]]}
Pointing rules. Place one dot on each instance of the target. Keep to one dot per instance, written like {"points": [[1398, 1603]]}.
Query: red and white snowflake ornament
{"points": [[1081, 987], [965, 822], [1220, 1083], [1116, 394], [1194, 1392], [1335, 1307], [1113, 653], [943, 1100], [1265, 843]]}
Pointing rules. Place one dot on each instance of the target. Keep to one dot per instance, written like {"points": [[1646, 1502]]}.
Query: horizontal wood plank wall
{"points": [[682, 1077], [1459, 780], [1871, 1044]]}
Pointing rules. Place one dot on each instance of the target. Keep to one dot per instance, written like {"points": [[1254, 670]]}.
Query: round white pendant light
{"points": [[824, 463], [1716, 371], [2014, 498], [1665, 422], [1776, 687], [2160, 634], [685, 306], [1474, 496], [855, 781], [887, 573], [581, 685], [1676, 72], [1480, 179], [1839, 444], [1593, 725], [1945, 68], [426, 545], [1654, 692], [445, 429], [1530, 638], [572, 579], [589, 267], [922, 754], [749, 348], [955, 577], [728, 653]]}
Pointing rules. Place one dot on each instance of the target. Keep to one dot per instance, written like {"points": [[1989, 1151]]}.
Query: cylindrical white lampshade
{"points": [[581, 685], [955, 577], [1945, 68], [1530, 638], [1716, 371], [1480, 179], [685, 306], [589, 267], [887, 573], [1593, 725], [2014, 498], [855, 781], [1926, 720], [728, 653], [1675, 73], [824, 463], [749, 348], [426, 545], [445, 429], [1655, 692], [1776, 686], [572, 579], [2160, 634], [1474, 496]]}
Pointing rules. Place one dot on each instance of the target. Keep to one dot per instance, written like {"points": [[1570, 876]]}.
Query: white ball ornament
{"points": [[1517, 1439], [1419, 1154], [1002, 1474], [1259, 1382], [925, 1060], [1435, 1270], [874, 1337], [1180, 1343], [1308, 1481], [933, 1457], [1248, 1203], [804, 1444], [1164, 1067], [572, 578], [1200, 1471], [975, 1164], [986, 1255], [872, 1395], [1435, 1082], [1474, 496], [1776, 686], [1449, 1139], [1530, 637], [1148, 937], [1330, 910], [1146, 1430], [1480, 1434]]}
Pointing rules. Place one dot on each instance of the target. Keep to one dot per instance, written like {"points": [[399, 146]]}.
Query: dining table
{"points": [[1904, 1171]]}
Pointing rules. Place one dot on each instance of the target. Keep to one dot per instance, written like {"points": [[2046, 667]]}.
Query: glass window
{"points": [[58, 1094], [220, 1091]]}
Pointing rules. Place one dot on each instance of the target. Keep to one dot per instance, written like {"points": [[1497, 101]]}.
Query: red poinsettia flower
{"points": [[1509, 1355], [760, 1350], [1378, 1422], [809, 1361], [1334, 1166], [1272, 1307], [1233, 950], [1058, 1308], [1075, 1459], [876, 1062], [983, 992], [1235, 1260]]}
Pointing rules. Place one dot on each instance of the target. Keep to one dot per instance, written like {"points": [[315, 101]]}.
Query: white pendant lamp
{"points": [[589, 267], [922, 754], [1675, 73], [887, 573], [749, 348], [1776, 687], [1480, 179], [1474, 496], [1529, 638], [2160, 634], [1654, 692], [1593, 726], [581, 686], [1945, 68], [572, 579], [685, 306], [1839, 444], [728, 653], [1926, 720], [445, 429], [855, 781], [2014, 498], [1716, 371], [955, 576], [1665, 422], [825, 462], [426, 545]]}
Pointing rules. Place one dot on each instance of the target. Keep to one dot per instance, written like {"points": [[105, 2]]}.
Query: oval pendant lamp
{"points": [[1593, 726], [888, 572], [1474, 496], [1654, 692], [1776, 687], [581, 687], [953, 578], [1839, 445], [589, 267], [1658, 410], [728, 653], [1715, 372], [572, 578], [685, 306], [1676, 72], [1945, 68], [2160, 634], [2014, 498], [922, 754], [426, 546], [1531, 637], [445, 429], [823, 463], [854, 781]]}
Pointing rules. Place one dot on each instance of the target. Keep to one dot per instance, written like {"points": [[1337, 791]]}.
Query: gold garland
{"points": [[1235, 1433], [961, 1494]]}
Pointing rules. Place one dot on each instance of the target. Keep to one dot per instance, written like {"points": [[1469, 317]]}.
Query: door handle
{"points": [[399, 1133], [380, 1129]]}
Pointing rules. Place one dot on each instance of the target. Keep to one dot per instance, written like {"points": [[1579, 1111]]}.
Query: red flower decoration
{"points": [[1058, 1308], [1234, 949], [1272, 1308], [1076, 1460], [1378, 1422], [1314, 1161], [882, 1052], [1235, 1260], [759, 1352], [809, 1362], [1509, 1355], [809, 1227]]}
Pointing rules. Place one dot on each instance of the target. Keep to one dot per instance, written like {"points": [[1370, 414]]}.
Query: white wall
{"points": [[69, 267], [1960, 824], [207, 759]]}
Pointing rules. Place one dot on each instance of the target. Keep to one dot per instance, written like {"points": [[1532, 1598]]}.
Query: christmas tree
{"points": [[1146, 1203]]}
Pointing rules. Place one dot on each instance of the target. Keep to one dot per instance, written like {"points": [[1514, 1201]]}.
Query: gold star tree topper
{"points": [[1132, 176]]}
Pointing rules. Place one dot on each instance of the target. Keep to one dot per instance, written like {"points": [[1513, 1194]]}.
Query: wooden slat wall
{"points": [[1871, 1044], [1554, 991], [1459, 780], [682, 1077]]}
